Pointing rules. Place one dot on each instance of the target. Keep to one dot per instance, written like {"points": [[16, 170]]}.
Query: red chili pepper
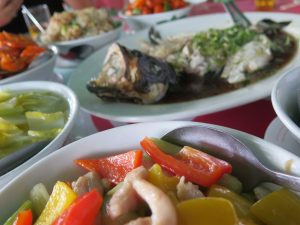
{"points": [[196, 166], [83, 211], [24, 218], [113, 168]]}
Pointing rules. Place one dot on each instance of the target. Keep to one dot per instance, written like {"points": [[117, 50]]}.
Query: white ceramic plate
{"points": [[126, 112], [43, 71], [60, 166], [278, 134], [57, 142], [96, 41]]}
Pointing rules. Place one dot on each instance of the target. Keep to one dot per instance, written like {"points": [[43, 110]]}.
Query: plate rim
{"points": [[79, 41]]}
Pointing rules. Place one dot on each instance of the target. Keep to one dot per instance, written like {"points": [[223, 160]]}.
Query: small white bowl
{"points": [[286, 101], [42, 72], [60, 165], [142, 21], [73, 105]]}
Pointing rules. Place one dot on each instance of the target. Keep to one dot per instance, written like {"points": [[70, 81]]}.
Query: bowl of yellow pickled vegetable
{"points": [[129, 175], [35, 119]]}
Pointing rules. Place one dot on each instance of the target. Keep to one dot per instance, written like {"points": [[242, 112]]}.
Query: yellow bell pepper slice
{"points": [[278, 208], [61, 197], [167, 184], [241, 204], [206, 211], [158, 178]]}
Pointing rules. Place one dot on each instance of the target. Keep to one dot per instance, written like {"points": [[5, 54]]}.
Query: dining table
{"points": [[253, 118]]}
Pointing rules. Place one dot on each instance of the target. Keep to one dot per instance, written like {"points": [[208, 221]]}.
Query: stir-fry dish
{"points": [[16, 53], [194, 66], [163, 185], [144, 7], [70, 25], [29, 117]]}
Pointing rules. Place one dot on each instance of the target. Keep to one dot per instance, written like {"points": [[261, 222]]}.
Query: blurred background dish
{"points": [[102, 144], [23, 59], [126, 112], [88, 44], [81, 30], [140, 21], [286, 101], [61, 91]]}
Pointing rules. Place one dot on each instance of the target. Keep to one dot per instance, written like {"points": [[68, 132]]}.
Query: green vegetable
{"points": [[231, 182], [44, 135], [264, 189], [11, 137], [45, 102], [39, 197], [4, 96], [45, 121], [63, 30], [29, 117], [10, 107], [8, 127], [219, 44], [114, 189], [136, 11], [167, 147], [26, 205], [167, 6]]}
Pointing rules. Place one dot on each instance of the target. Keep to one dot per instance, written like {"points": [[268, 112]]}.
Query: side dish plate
{"points": [[128, 112], [60, 165]]}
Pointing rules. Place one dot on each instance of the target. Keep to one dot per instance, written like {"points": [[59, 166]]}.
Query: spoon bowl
{"points": [[245, 165]]}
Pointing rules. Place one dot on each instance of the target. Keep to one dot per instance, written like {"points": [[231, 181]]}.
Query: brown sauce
{"points": [[192, 87]]}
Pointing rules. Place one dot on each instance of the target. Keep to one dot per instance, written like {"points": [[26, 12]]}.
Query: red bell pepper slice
{"points": [[113, 168], [83, 211], [196, 166], [24, 218]]}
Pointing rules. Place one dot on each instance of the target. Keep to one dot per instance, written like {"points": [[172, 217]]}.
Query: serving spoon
{"points": [[245, 165]]}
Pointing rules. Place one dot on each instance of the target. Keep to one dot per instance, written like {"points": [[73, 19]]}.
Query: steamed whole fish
{"points": [[129, 75]]}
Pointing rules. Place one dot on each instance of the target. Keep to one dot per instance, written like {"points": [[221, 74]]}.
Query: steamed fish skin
{"points": [[129, 75]]}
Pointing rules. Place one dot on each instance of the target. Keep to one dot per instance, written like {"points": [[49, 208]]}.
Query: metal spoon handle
{"points": [[33, 19], [286, 180], [224, 146]]}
